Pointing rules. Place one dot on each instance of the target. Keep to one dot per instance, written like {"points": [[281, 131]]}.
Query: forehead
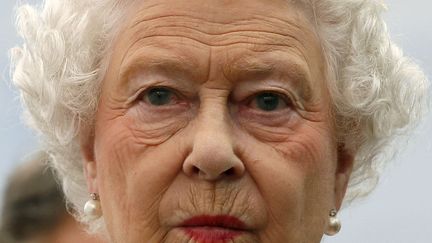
{"points": [[218, 10], [213, 20], [242, 31]]}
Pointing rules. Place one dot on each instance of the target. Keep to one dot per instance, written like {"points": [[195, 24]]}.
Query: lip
{"points": [[208, 229]]}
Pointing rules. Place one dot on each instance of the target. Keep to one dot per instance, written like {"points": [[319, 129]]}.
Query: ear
{"points": [[344, 168], [89, 163]]}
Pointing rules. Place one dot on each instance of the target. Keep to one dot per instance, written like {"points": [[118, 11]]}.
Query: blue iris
{"points": [[159, 96], [267, 101]]}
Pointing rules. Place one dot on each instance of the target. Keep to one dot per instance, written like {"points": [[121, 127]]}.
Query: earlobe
{"points": [[90, 172], [342, 175], [87, 143], [89, 163]]}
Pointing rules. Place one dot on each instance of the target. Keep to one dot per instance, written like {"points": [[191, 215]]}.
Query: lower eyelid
{"points": [[270, 119]]}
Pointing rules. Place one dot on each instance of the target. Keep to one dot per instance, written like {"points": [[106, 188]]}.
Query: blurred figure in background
{"points": [[34, 209]]}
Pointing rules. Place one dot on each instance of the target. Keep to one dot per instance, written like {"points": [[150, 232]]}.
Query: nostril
{"points": [[229, 172], [213, 167], [195, 170]]}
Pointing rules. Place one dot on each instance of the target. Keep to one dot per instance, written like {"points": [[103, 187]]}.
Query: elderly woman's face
{"points": [[214, 125]]}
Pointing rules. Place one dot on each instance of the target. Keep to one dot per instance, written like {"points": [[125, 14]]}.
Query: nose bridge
{"points": [[213, 126], [213, 152], [213, 129]]}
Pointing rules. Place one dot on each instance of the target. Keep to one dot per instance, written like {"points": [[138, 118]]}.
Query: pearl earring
{"points": [[92, 208], [334, 224]]}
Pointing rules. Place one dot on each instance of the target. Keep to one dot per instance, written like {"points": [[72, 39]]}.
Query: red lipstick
{"points": [[213, 229]]}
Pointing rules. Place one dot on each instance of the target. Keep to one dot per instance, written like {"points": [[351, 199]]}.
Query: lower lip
{"points": [[211, 234]]}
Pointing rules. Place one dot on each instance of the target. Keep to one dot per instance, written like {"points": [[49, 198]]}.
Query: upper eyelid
{"points": [[277, 90], [282, 95], [182, 92], [174, 91], [284, 67], [146, 86], [287, 99]]}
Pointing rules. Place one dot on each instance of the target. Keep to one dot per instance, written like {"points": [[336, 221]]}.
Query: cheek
{"points": [[293, 174], [153, 128], [133, 171]]}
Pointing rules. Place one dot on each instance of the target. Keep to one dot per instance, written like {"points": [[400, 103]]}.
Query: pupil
{"points": [[159, 96], [267, 101]]}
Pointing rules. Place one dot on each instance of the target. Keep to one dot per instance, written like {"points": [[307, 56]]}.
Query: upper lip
{"points": [[220, 221]]}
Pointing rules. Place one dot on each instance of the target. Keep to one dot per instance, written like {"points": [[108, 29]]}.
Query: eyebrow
{"points": [[245, 68], [175, 66], [253, 68]]}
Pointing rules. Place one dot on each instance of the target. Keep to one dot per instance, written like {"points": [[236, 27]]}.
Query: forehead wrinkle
{"points": [[215, 34], [262, 39], [154, 19], [153, 10], [216, 28], [289, 32]]}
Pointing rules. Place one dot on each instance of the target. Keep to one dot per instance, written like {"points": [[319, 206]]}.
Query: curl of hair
{"points": [[377, 92]]}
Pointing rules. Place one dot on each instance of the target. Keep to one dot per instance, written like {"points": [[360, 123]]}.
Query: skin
{"points": [[211, 149]]}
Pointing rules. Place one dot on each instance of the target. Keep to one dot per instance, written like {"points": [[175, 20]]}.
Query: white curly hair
{"points": [[377, 92]]}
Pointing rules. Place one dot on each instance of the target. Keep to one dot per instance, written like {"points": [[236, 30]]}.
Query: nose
{"points": [[213, 155]]}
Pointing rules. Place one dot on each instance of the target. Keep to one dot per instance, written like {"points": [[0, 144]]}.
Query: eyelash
{"points": [[246, 102], [174, 93], [286, 99]]}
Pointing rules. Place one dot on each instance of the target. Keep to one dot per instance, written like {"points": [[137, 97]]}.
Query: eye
{"points": [[268, 101], [159, 96]]}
